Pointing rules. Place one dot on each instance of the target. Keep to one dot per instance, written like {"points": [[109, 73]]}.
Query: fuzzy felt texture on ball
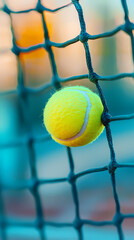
{"points": [[73, 116]]}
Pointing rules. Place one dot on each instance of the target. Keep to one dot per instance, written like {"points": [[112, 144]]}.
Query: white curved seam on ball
{"points": [[85, 119]]}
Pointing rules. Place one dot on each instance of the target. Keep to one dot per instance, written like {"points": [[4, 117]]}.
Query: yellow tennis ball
{"points": [[73, 116]]}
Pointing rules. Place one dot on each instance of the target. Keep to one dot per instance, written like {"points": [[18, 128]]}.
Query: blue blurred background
{"points": [[109, 56]]}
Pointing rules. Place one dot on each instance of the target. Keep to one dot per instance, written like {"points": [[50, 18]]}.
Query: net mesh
{"points": [[23, 91]]}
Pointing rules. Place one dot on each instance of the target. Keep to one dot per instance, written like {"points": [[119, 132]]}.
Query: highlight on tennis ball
{"points": [[73, 116]]}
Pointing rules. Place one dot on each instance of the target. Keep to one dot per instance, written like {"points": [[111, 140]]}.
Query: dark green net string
{"points": [[23, 92]]}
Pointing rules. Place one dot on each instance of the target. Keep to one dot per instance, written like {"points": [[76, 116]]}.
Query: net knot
{"points": [[39, 7], [128, 27], [34, 185], [15, 49], [6, 9], [39, 223], [71, 178], [118, 219], [21, 91], [93, 77], [77, 223], [112, 167], [83, 37], [30, 139], [105, 118], [56, 82], [47, 45]]}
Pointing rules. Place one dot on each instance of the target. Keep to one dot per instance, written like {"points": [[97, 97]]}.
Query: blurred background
{"points": [[110, 56]]}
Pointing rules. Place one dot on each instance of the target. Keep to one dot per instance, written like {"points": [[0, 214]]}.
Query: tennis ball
{"points": [[73, 116]]}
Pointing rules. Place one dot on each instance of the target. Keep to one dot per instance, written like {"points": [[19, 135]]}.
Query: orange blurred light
{"points": [[28, 30]]}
